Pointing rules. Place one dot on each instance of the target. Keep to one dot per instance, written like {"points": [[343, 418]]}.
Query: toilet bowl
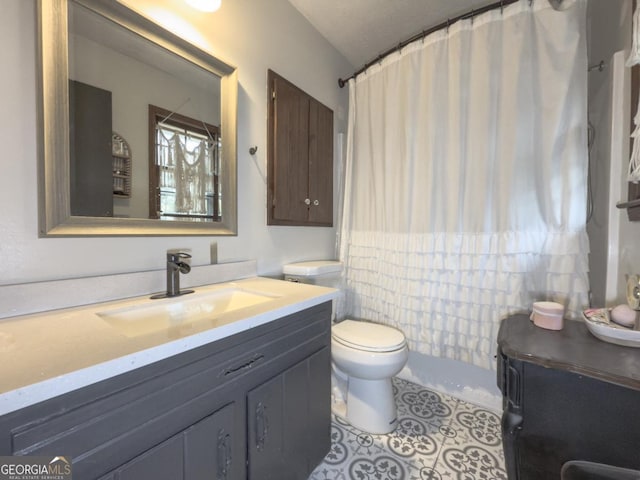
{"points": [[369, 354]]}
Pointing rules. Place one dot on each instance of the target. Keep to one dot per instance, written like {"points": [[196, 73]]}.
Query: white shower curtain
{"points": [[465, 184]]}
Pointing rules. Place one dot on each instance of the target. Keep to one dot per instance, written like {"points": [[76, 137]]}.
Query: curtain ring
{"points": [[424, 34], [530, 2], [448, 23], [501, 7]]}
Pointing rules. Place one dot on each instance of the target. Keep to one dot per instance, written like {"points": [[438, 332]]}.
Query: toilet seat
{"points": [[371, 337]]}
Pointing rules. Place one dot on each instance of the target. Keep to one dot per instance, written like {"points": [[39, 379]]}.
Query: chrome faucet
{"points": [[175, 266]]}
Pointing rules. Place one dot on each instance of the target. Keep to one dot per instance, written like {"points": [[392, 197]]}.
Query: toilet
{"points": [[369, 354], [365, 355]]}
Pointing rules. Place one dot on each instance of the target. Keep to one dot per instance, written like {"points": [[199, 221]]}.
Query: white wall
{"points": [[253, 35], [614, 240], [606, 22]]}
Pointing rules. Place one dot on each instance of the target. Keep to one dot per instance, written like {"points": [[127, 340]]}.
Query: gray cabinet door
{"points": [[265, 433], [164, 462], [289, 421], [318, 423], [211, 448], [204, 451]]}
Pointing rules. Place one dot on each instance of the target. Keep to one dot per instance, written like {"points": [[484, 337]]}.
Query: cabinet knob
{"points": [[307, 201], [316, 202]]}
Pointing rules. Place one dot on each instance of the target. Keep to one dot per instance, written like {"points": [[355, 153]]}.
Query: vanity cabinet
{"points": [[300, 157], [255, 405]]}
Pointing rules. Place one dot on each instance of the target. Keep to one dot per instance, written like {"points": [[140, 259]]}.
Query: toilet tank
{"points": [[325, 273]]}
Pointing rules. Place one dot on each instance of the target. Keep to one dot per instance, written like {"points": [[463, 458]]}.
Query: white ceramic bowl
{"points": [[613, 333]]}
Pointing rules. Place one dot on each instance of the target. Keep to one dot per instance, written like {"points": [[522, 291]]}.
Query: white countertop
{"points": [[50, 353]]}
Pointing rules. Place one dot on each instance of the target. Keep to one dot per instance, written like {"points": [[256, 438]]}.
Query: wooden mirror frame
{"points": [[55, 219]]}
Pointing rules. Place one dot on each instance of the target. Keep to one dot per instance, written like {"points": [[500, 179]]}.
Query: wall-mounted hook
{"points": [[253, 150]]}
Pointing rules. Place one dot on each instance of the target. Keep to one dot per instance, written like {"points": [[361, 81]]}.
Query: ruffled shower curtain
{"points": [[465, 179]]}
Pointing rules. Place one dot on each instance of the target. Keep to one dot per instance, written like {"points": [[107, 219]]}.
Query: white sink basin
{"points": [[180, 312]]}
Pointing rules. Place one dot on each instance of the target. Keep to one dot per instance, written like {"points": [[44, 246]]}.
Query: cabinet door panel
{"points": [[164, 462], [290, 175], [319, 420], [320, 164], [265, 431], [209, 448], [289, 421], [295, 403]]}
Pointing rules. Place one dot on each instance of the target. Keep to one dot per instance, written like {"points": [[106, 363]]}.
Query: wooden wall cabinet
{"points": [[300, 157], [255, 405]]}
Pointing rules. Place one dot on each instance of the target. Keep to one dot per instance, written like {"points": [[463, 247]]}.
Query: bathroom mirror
{"points": [[103, 46]]}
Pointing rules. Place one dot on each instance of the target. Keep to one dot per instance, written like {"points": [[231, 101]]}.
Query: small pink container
{"points": [[548, 315]]}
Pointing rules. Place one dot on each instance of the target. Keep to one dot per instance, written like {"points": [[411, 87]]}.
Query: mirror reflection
{"points": [[145, 127]]}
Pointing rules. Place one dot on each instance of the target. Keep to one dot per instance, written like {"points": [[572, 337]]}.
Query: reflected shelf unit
{"points": [[121, 166]]}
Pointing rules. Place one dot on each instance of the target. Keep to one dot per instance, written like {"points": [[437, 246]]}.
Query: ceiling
{"points": [[362, 29]]}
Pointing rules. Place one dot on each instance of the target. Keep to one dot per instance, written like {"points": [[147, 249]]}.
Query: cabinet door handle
{"points": [[316, 202], [307, 201], [513, 387], [248, 364], [262, 426], [224, 454]]}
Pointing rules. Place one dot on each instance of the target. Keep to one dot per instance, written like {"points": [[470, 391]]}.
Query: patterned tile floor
{"points": [[439, 437]]}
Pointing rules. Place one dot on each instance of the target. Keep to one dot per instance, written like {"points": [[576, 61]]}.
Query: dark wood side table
{"points": [[566, 396]]}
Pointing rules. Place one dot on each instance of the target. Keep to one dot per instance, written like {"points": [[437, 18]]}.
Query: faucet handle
{"points": [[176, 256]]}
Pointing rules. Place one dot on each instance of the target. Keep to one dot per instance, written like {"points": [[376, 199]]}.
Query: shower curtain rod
{"points": [[424, 33]]}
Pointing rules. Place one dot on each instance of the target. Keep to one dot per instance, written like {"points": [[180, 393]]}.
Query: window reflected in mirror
{"points": [[184, 168]]}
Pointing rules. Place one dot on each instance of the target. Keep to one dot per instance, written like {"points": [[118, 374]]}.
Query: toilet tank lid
{"points": [[317, 267], [368, 335]]}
